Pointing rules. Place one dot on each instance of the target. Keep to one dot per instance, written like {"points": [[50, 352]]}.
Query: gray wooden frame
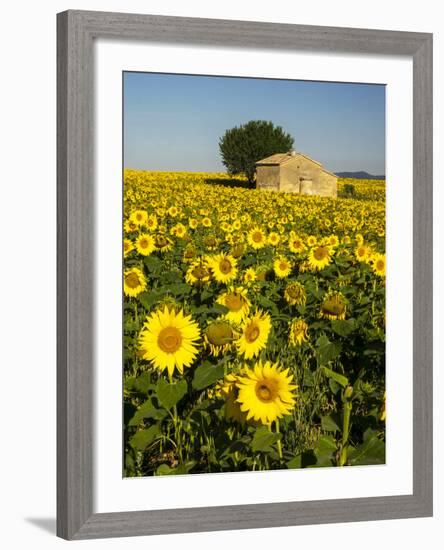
{"points": [[76, 32]]}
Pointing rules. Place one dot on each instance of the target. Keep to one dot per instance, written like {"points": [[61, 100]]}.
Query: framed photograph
{"points": [[244, 275]]}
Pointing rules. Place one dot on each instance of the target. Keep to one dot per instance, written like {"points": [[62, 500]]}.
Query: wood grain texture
{"points": [[77, 31]]}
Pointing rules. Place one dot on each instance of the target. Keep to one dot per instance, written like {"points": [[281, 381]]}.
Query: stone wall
{"points": [[287, 177], [267, 177]]}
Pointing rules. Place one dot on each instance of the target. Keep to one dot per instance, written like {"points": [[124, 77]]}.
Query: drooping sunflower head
{"points": [[282, 267], [224, 267], [162, 243], [210, 242], [254, 337], [134, 282], [295, 294], [378, 264], [334, 306], [298, 333], [319, 257], [235, 299], [145, 244], [237, 251], [266, 393], [198, 273], [219, 337], [169, 340], [229, 391], [189, 254]]}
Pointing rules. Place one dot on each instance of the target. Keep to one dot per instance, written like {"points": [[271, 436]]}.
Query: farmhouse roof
{"points": [[281, 158]]}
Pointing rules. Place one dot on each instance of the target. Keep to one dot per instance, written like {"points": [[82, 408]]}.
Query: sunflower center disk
{"points": [[252, 333], [169, 339], [320, 253], [265, 391], [257, 237], [132, 280], [234, 302], [225, 266], [199, 272]]}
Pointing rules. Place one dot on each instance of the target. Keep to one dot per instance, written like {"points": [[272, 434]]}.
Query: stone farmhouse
{"points": [[294, 172]]}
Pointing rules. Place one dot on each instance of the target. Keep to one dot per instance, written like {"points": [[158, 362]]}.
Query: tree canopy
{"points": [[242, 146]]}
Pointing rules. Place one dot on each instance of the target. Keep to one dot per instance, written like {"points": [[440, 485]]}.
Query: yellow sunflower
{"points": [[295, 244], [319, 257], [198, 273], [151, 222], [219, 337], [298, 332], [168, 339], [254, 337], [237, 302], [311, 240], [138, 217], [250, 276], [257, 238], [127, 247], [282, 267], [378, 264], [334, 306], [363, 253], [266, 393], [273, 238], [145, 244], [295, 294], [134, 282], [224, 267]]}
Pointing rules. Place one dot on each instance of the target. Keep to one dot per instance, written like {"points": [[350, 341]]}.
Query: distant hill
{"points": [[359, 175]]}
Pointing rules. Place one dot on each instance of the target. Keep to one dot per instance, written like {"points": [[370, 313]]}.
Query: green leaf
{"points": [[372, 450], [148, 299], [143, 438], [146, 410], [206, 374], [325, 449], [165, 470], [339, 378], [343, 328], [140, 383], [170, 394], [295, 462], [328, 424], [264, 439], [327, 353], [153, 263], [179, 288]]}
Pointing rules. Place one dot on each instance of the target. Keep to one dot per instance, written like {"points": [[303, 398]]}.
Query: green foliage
{"points": [[242, 146], [169, 394]]}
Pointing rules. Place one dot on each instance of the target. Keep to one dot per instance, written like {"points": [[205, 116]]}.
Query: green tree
{"points": [[242, 146]]}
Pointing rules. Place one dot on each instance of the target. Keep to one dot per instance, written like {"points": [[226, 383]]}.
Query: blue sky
{"points": [[174, 122]]}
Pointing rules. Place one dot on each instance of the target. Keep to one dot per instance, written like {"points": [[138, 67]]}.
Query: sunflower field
{"points": [[254, 325]]}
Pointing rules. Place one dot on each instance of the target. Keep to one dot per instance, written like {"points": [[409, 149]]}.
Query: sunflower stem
{"points": [[279, 443]]}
